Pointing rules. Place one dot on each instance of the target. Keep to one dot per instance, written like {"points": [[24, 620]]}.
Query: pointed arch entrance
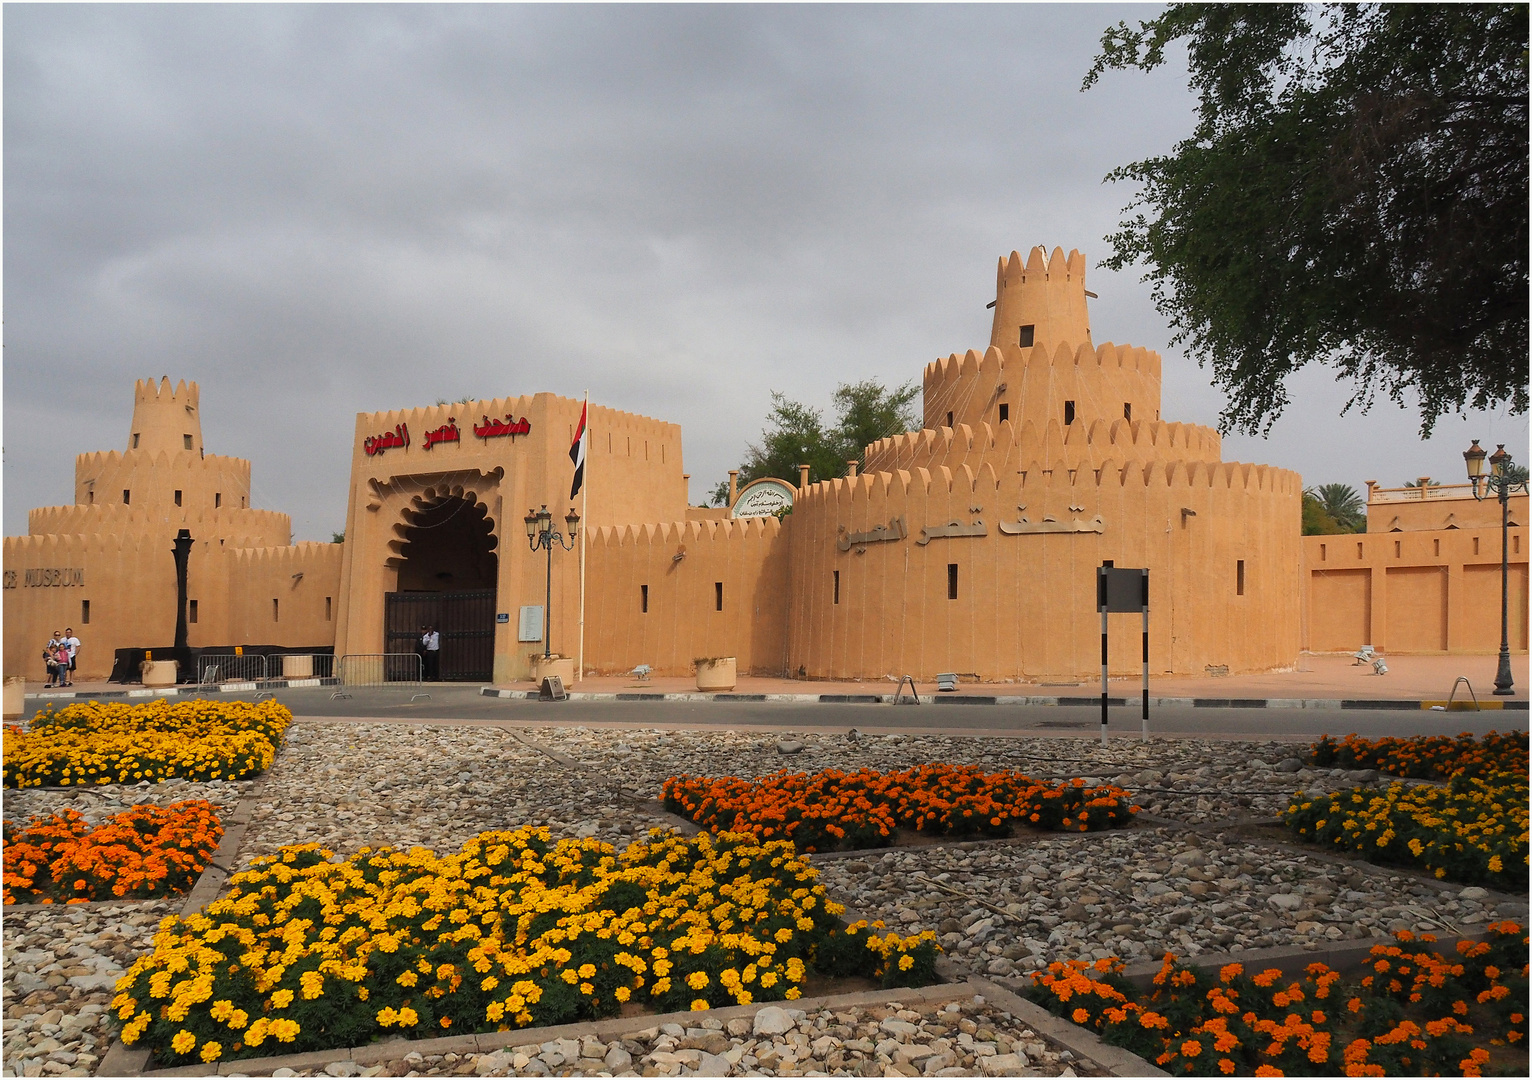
{"points": [[448, 568]]}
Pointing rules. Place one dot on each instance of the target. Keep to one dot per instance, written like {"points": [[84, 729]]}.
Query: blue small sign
{"points": [[503, 616]]}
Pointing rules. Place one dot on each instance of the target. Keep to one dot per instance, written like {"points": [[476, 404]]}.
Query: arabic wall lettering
{"points": [[495, 429], [389, 440], [896, 529]]}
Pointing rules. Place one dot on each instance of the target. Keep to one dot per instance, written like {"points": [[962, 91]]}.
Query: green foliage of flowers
{"points": [[511, 931], [109, 742], [1409, 1010], [1427, 757], [1472, 831]]}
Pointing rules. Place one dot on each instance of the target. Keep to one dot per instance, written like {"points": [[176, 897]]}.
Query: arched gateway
{"points": [[447, 574]]}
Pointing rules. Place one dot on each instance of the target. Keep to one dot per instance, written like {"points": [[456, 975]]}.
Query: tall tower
{"points": [[165, 420], [1040, 303]]}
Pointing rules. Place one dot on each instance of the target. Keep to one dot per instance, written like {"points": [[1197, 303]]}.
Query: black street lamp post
{"points": [[1500, 483], [541, 534]]}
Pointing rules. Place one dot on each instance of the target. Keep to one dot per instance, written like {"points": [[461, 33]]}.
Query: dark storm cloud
{"points": [[319, 210]]}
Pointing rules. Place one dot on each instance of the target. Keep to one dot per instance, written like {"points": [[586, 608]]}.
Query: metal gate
{"points": [[466, 621]]}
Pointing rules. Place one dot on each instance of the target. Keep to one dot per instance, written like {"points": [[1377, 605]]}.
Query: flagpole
{"points": [[584, 513]]}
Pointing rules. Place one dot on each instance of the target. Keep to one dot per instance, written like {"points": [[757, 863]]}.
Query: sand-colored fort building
{"points": [[968, 546]]}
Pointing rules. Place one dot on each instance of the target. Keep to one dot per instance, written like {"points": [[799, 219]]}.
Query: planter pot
{"points": [[15, 696], [159, 672], [716, 675], [562, 666], [299, 666]]}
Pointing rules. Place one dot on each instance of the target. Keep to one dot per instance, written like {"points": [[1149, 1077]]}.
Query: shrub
{"points": [[1414, 1012], [307, 954], [142, 853], [113, 742], [1472, 831], [862, 809], [1427, 757]]}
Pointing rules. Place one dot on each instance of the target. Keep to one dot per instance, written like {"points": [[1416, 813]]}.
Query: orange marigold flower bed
{"points": [[142, 853], [1411, 1010], [1427, 757], [831, 809]]}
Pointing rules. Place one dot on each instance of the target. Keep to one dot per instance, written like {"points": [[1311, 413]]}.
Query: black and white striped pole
{"points": [[1119, 589]]}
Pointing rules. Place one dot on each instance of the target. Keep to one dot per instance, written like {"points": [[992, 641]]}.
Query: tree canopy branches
{"points": [[1354, 193]]}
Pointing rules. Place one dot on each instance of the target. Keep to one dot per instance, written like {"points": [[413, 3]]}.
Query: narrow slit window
{"points": [[242, 501], [643, 599], [191, 611], [327, 609], [949, 419], [276, 610], [952, 581], [1321, 553], [717, 596], [217, 499], [135, 440], [178, 496], [90, 496], [1476, 545], [837, 586], [1127, 410], [127, 497], [1005, 412], [1239, 578], [186, 442], [1516, 545], [1436, 547], [1358, 549], [85, 611], [1398, 546], [1027, 335], [1069, 413]]}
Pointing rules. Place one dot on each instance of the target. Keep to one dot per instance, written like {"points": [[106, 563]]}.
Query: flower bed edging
{"points": [[133, 1062]]}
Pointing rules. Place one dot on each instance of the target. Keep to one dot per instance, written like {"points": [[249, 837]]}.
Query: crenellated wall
{"points": [[682, 565]]}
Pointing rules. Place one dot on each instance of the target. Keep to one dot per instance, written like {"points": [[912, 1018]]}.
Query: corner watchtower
{"points": [[165, 420]]}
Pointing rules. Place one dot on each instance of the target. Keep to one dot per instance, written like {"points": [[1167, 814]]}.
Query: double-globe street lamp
{"points": [[1500, 482], [541, 534]]}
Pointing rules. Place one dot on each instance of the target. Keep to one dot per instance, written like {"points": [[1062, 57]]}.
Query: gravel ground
{"points": [[100, 802], [968, 1038], [1189, 884]]}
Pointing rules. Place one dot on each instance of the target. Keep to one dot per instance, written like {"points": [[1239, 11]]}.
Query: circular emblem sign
{"points": [[762, 498]]}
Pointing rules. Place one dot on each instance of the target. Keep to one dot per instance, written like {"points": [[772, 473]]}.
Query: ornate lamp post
{"points": [[1500, 484], [541, 534]]}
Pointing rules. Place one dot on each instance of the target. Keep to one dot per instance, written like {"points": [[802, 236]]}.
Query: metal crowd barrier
{"points": [[226, 668], [380, 669]]}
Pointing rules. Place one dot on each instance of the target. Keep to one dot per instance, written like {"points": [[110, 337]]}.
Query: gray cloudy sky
{"points": [[320, 210]]}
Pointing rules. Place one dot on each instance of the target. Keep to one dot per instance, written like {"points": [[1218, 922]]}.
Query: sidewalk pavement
{"points": [[1318, 681]]}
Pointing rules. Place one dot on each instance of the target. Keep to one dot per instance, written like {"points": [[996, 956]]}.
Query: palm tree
{"points": [[1342, 503]]}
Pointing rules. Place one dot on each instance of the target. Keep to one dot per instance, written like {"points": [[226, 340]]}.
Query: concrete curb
{"points": [[185, 691], [999, 699]]}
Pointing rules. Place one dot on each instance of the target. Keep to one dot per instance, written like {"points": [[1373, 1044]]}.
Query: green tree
{"points": [[1354, 194], [1315, 521], [1340, 504], [796, 434], [1428, 480], [338, 538]]}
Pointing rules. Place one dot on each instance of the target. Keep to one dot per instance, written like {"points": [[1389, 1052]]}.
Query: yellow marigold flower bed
{"points": [[1410, 1010], [114, 742], [511, 931], [1472, 831], [1427, 757]]}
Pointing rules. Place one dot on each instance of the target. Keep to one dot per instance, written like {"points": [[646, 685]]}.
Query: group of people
{"points": [[60, 654]]}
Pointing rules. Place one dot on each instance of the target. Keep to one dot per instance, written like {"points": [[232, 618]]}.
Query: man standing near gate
{"points": [[430, 650]]}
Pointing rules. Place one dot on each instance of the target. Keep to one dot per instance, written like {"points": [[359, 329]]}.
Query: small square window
{"points": [[952, 581], [191, 611], [186, 441], [1005, 412], [1026, 337]]}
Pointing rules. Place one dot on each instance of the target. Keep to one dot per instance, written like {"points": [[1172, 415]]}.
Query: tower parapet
{"points": [[1040, 301], [165, 419]]}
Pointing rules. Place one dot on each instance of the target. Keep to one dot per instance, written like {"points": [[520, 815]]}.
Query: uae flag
{"points": [[577, 454]]}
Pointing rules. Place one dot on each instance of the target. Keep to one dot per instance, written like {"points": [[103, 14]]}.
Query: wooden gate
{"points": [[466, 621]]}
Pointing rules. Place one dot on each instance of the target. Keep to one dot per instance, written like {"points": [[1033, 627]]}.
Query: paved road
{"points": [[466, 704]]}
